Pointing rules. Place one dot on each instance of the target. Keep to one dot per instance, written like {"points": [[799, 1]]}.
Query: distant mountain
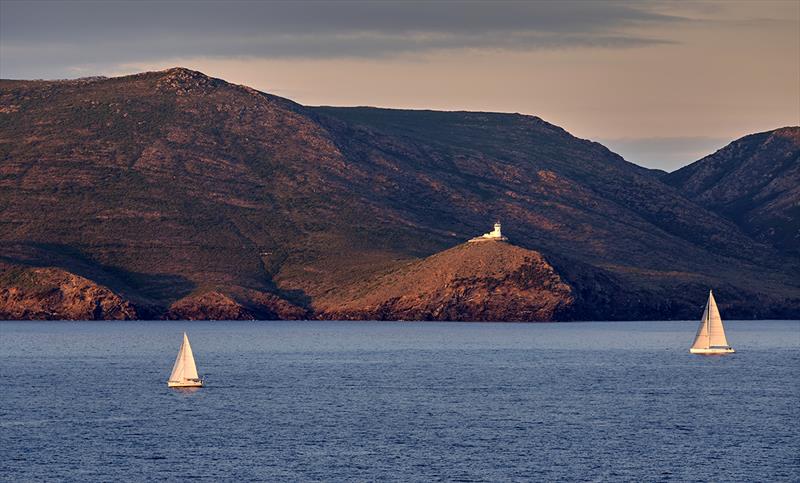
{"points": [[754, 181], [190, 197]]}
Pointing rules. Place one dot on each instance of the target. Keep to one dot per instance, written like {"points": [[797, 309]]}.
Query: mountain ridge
{"points": [[754, 181], [171, 184]]}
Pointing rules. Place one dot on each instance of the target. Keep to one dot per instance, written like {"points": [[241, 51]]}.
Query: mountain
{"points": [[191, 197], [754, 181]]}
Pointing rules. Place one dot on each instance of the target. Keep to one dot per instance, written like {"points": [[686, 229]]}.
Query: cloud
{"points": [[66, 34]]}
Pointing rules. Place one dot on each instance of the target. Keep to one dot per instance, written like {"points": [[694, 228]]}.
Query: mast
{"points": [[708, 317]]}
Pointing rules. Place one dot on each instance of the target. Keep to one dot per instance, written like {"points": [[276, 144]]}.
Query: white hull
{"points": [[713, 351], [197, 383]]}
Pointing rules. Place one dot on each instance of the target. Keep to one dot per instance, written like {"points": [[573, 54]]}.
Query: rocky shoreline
{"points": [[492, 281]]}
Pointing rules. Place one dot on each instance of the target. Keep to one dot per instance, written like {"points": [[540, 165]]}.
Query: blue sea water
{"points": [[335, 401]]}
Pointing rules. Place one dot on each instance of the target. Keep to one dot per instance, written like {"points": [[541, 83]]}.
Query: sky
{"points": [[662, 83]]}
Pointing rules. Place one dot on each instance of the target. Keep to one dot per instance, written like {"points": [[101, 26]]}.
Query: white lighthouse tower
{"points": [[494, 235]]}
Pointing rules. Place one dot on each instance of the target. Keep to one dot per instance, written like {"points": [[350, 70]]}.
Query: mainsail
{"points": [[711, 333], [184, 367]]}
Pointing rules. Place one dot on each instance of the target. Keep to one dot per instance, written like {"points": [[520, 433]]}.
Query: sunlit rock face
{"points": [[474, 281], [167, 186], [53, 294]]}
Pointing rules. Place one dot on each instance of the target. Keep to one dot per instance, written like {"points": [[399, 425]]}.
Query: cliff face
{"points": [[208, 306], [487, 281], [214, 305], [754, 181], [53, 294], [191, 197]]}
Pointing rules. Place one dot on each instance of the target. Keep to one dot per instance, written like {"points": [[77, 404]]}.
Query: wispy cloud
{"points": [[79, 33]]}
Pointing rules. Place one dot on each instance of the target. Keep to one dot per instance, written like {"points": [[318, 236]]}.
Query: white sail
{"points": [[184, 367], [701, 340], [716, 333], [711, 333]]}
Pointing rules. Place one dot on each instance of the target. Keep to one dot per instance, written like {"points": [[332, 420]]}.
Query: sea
{"points": [[399, 401]]}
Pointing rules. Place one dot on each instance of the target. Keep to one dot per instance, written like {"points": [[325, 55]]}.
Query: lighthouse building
{"points": [[494, 235]]}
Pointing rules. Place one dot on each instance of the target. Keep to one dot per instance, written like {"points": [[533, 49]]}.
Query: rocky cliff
{"points": [[53, 294], [490, 280]]}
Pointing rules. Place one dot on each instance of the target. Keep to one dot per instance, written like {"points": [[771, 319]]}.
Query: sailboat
{"points": [[710, 338], [184, 372]]}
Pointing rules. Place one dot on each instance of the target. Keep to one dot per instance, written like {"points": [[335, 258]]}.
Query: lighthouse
{"points": [[494, 235]]}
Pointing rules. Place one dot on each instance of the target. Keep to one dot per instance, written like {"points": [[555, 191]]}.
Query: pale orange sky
{"points": [[695, 76]]}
